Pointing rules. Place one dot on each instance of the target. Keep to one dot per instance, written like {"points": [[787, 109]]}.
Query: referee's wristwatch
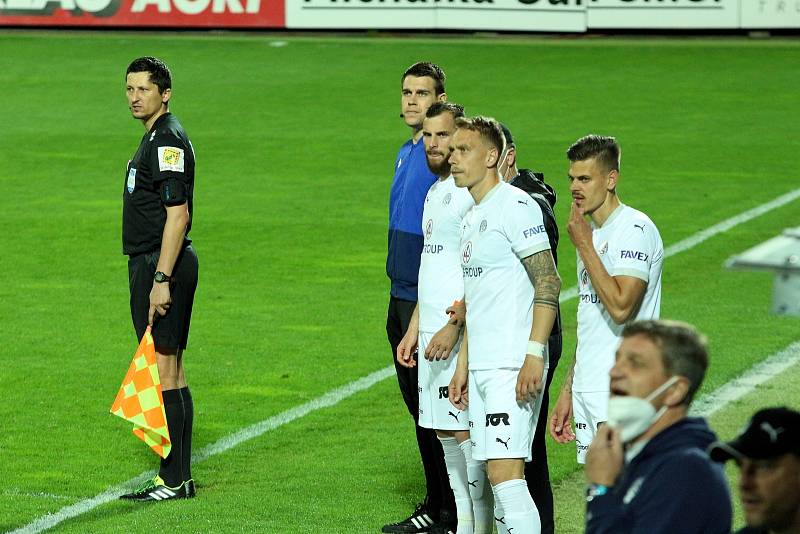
{"points": [[161, 277], [595, 490]]}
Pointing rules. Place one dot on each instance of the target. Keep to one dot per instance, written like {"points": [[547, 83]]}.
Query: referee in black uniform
{"points": [[162, 265]]}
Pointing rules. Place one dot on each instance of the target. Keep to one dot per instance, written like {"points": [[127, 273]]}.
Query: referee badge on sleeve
{"points": [[170, 158], [131, 179]]}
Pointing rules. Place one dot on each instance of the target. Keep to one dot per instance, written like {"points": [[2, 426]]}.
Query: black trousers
{"points": [[440, 495], [537, 474]]}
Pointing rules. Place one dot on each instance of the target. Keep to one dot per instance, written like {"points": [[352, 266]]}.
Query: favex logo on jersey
{"points": [[632, 255], [443, 392], [532, 231]]}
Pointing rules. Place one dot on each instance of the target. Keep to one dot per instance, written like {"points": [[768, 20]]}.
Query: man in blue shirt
{"points": [[422, 84]]}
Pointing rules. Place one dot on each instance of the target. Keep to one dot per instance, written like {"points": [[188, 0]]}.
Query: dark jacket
{"points": [[671, 486], [533, 183]]}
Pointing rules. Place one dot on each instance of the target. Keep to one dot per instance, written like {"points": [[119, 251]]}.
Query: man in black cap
{"points": [[537, 474], [768, 455]]}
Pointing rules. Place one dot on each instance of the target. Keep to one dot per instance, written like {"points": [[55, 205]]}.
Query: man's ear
{"points": [[613, 176], [511, 157], [442, 97], [165, 96], [677, 393], [492, 157]]}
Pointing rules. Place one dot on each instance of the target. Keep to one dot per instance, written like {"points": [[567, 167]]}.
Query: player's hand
{"points": [[560, 423], [580, 233], [604, 457], [458, 391], [530, 381], [457, 311], [407, 349], [442, 343], [160, 300]]}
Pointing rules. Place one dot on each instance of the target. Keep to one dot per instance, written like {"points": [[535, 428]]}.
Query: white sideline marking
{"points": [[339, 394], [695, 239], [35, 495], [228, 442], [737, 388]]}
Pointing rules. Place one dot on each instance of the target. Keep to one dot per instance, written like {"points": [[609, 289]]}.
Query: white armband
{"points": [[535, 349]]}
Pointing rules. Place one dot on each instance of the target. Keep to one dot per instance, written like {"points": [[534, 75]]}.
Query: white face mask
{"points": [[632, 416]]}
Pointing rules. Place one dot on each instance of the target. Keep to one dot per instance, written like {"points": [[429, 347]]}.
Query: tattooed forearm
{"points": [[545, 302], [542, 272]]}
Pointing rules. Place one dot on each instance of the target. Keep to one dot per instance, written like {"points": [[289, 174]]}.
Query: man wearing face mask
{"points": [[647, 468]]}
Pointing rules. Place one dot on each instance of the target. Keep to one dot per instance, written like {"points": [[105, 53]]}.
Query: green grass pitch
{"points": [[295, 146]]}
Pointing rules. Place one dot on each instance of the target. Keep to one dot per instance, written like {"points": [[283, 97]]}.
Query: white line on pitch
{"points": [[337, 395], [695, 239], [228, 442], [707, 405]]}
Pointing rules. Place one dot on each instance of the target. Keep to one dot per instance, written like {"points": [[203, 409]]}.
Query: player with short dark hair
{"points": [[767, 452], [511, 289], [426, 69], [422, 85], [620, 259], [157, 212]]}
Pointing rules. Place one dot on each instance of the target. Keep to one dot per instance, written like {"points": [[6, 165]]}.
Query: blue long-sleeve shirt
{"points": [[412, 179], [670, 487]]}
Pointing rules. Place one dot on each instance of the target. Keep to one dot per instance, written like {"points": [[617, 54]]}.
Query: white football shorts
{"points": [[589, 409], [500, 427], [435, 409]]}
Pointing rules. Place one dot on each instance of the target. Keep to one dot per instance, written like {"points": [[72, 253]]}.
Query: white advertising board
{"points": [[511, 15], [770, 14], [663, 14]]}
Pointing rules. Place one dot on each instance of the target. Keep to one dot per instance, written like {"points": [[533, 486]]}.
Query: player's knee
{"points": [[499, 471]]}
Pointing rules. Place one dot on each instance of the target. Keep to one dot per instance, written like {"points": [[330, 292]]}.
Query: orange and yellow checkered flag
{"points": [[140, 401]]}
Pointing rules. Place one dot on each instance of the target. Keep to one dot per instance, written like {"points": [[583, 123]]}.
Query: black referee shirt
{"points": [[165, 154]]}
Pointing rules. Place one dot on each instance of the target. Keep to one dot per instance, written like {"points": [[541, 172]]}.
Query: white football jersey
{"points": [[440, 280], [628, 245], [504, 228]]}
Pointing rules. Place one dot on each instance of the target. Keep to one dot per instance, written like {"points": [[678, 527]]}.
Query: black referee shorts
{"points": [[172, 329]]}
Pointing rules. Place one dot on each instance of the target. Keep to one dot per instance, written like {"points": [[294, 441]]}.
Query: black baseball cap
{"points": [[507, 135], [769, 433]]}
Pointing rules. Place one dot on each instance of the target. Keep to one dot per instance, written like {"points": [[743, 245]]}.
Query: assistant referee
{"points": [[162, 265]]}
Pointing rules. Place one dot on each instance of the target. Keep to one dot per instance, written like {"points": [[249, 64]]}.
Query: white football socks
{"points": [[516, 508], [457, 469], [480, 491]]}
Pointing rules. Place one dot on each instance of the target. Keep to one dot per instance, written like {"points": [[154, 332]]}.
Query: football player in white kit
{"points": [[437, 335], [620, 256], [511, 289]]}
